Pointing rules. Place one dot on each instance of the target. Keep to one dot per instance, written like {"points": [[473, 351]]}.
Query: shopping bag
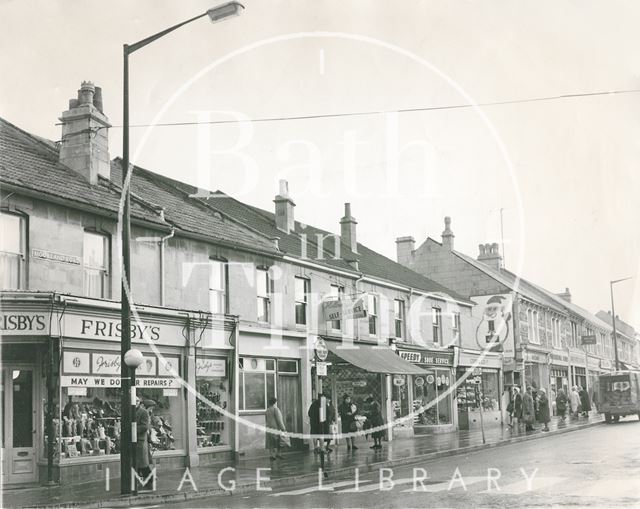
{"points": [[285, 441]]}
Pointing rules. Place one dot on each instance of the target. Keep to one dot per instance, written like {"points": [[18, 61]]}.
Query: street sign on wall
{"points": [[589, 340]]}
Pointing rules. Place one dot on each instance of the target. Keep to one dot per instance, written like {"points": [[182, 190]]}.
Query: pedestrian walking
{"points": [[517, 406], [317, 427], [575, 401], [543, 409], [331, 421], [143, 453], [585, 402], [274, 421], [528, 409], [375, 419], [561, 404], [347, 413]]}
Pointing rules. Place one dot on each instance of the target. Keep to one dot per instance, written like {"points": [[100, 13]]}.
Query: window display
{"points": [[426, 391], [212, 426], [488, 389], [90, 421]]}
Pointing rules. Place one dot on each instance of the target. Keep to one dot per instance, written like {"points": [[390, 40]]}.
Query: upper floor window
{"points": [[338, 293], [574, 334], [96, 264], [263, 287], [398, 312], [436, 318], [555, 330], [532, 322], [13, 235], [302, 289], [455, 326], [217, 286], [372, 311]]}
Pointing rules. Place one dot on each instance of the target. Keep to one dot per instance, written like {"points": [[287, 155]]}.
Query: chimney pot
{"points": [[85, 144], [97, 99], [285, 219], [404, 250], [348, 229], [490, 255], [447, 234]]}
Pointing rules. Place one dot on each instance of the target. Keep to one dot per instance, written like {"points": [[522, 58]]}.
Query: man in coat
{"points": [[142, 440], [543, 409], [585, 402], [574, 399], [561, 404], [528, 409]]}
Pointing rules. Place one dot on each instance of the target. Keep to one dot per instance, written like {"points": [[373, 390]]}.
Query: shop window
{"points": [[263, 287], [373, 314], [257, 383], [455, 326], [336, 292], [212, 384], [90, 424], [400, 398], [398, 312], [436, 317], [290, 367], [13, 234], [96, 264], [469, 395], [217, 286], [431, 398], [302, 289]]}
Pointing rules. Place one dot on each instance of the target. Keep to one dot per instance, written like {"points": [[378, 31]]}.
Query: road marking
{"points": [[376, 486], [444, 486], [520, 487], [311, 489], [609, 488]]}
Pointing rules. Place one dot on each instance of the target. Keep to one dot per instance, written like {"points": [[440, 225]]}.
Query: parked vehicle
{"points": [[619, 394]]}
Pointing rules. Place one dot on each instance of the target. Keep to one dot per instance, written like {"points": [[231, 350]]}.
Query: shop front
{"points": [[362, 371], [431, 393], [478, 388], [62, 394]]}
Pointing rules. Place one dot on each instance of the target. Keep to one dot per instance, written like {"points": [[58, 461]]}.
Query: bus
{"points": [[619, 394]]}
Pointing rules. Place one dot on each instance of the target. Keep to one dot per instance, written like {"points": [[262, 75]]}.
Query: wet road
{"points": [[595, 467]]}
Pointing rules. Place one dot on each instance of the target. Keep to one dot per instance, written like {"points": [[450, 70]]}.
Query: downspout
{"points": [[161, 243]]}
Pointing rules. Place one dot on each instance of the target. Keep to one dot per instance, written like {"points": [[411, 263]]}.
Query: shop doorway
{"points": [[290, 404], [18, 425]]}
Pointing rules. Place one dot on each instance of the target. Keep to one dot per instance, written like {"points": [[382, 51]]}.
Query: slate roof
{"points": [[32, 164], [370, 262]]}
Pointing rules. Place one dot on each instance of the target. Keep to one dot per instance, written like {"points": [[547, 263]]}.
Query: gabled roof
{"points": [[31, 164], [622, 327], [294, 244]]}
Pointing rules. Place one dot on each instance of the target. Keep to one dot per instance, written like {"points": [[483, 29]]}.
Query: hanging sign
{"points": [[589, 340], [345, 308], [321, 368], [398, 381], [321, 349]]}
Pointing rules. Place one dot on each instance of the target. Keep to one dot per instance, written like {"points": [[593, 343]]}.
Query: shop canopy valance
{"points": [[374, 358]]}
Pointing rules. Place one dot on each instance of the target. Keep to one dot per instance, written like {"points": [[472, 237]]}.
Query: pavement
{"points": [[296, 469], [591, 467]]}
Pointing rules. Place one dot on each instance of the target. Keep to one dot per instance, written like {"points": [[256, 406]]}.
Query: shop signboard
{"points": [[209, 367], [483, 359], [589, 340], [18, 323], [114, 381], [346, 308], [427, 357], [495, 330]]}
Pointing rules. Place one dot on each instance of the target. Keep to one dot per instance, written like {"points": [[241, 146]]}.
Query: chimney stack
{"points": [[348, 229], [284, 209], [566, 295], [404, 250], [489, 254], [447, 234], [85, 135]]}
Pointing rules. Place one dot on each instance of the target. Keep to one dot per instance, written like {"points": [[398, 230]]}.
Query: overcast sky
{"points": [[570, 196]]}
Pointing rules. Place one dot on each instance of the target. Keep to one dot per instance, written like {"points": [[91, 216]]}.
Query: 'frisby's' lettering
{"points": [[22, 322], [114, 329]]}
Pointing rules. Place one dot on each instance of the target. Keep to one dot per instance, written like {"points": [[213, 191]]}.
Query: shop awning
{"points": [[374, 359]]}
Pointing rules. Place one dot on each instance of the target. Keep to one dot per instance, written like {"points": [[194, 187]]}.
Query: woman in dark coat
{"points": [[528, 409], [543, 409], [317, 427], [347, 412], [561, 404], [375, 419], [585, 404], [517, 405], [142, 440]]}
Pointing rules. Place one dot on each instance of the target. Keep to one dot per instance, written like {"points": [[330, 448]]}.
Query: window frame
{"points": [[304, 303], [263, 301], [373, 311], [339, 292], [106, 270], [456, 326], [224, 279], [22, 257], [399, 318], [242, 399], [436, 324]]}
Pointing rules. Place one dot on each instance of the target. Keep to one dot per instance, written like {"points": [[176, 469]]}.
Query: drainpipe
{"points": [[161, 243]]}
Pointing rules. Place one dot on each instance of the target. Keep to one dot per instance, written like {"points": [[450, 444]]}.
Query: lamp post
{"points": [[215, 14], [132, 359], [613, 319]]}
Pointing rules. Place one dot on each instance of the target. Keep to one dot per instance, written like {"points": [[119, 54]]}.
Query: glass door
{"points": [[18, 426]]}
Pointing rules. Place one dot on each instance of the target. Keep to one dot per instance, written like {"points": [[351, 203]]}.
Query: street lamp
{"points": [[216, 14], [613, 319]]}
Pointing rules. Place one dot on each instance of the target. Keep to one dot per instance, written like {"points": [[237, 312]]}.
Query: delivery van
{"points": [[619, 394]]}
